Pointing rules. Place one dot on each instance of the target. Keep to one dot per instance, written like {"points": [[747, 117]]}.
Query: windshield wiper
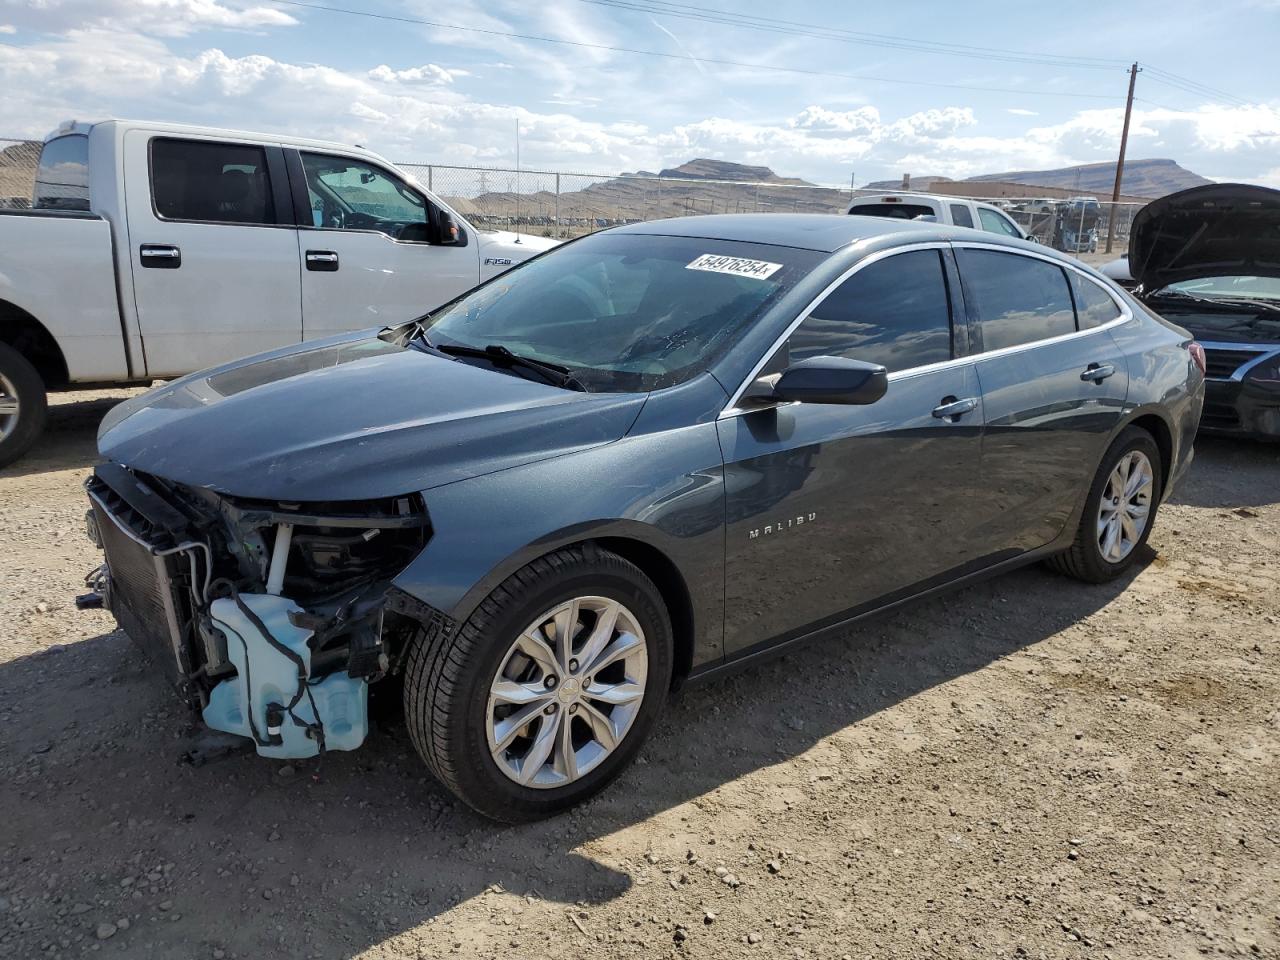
{"points": [[500, 356], [1248, 303]]}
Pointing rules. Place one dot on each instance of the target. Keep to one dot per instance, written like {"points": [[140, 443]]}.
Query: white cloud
{"points": [[167, 18], [427, 73], [8, 29], [418, 112], [1021, 112]]}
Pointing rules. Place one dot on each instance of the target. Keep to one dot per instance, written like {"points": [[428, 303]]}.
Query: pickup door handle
{"points": [[325, 261], [952, 409], [163, 256], [1097, 372]]}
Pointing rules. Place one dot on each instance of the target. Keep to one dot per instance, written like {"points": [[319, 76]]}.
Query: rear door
{"points": [[1053, 390], [375, 249], [213, 250], [832, 507]]}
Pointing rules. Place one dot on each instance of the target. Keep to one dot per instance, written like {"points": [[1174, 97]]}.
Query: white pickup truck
{"points": [[152, 250], [955, 211]]}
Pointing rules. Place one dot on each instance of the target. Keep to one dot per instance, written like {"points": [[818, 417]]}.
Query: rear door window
{"points": [[961, 216], [1016, 299], [62, 178], [894, 312], [211, 182], [1094, 306]]}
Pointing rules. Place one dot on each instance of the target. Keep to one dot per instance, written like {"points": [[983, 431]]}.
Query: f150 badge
{"points": [[498, 261], [781, 525]]}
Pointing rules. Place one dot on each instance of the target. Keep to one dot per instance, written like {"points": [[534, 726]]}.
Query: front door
{"points": [[832, 507], [376, 251], [213, 250], [1054, 384]]}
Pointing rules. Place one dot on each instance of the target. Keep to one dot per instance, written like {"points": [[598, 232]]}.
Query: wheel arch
{"points": [[24, 333], [1161, 430], [634, 542]]}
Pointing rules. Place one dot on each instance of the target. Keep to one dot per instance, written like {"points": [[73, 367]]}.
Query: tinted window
{"points": [[894, 312], [347, 194], [895, 211], [626, 312], [994, 222], [1094, 306], [213, 182], [1017, 299], [960, 215], [62, 179]]}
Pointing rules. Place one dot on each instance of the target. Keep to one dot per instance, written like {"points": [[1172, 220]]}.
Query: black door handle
{"points": [[952, 409], [1097, 372], [324, 261], [162, 256]]}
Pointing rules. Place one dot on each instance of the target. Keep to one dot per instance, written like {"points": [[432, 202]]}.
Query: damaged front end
{"points": [[270, 618]]}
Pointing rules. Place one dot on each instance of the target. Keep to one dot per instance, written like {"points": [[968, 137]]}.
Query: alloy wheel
{"points": [[8, 407], [567, 692], [1125, 506]]}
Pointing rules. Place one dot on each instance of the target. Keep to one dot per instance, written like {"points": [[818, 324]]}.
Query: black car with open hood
{"points": [[1208, 259]]}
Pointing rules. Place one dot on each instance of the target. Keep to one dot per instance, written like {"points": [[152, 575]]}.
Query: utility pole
{"points": [[1124, 142]]}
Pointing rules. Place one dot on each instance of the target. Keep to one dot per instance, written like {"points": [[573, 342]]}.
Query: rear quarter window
{"points": [[1017, 299], [1094, 306], [62, 178]]}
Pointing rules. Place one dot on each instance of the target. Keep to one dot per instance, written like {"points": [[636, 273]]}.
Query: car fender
{"points": [[663, 490]]}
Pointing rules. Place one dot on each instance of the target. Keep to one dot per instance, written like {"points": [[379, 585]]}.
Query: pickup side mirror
{"points": [[450, 234], [823, 380]]}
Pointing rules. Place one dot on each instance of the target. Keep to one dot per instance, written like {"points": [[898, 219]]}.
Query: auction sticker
{"points": [[738, 266]]}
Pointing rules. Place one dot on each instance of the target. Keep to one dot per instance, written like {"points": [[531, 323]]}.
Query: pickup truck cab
{"points": [[153, 250], [954, 211]]}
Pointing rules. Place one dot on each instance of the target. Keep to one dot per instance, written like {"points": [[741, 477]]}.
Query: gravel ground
{"points": [[1027, 768]]}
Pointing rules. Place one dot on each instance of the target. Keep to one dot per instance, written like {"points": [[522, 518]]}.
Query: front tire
{"points": [[548, 690], [23, 404], [1120, 510]]}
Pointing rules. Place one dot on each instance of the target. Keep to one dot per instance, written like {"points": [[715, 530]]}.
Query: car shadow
{"points": [[95, 793], [1231, 473], [70, 438]]}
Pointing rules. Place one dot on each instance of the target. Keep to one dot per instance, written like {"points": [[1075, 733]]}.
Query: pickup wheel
{"points": [[23, 404], [547, 692], [1119, 513]]}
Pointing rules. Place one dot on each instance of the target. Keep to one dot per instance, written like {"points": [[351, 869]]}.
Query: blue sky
{"points": [[434, 94]]}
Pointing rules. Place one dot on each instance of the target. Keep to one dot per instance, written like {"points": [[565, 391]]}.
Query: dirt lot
{"points": [[1028, 768]]}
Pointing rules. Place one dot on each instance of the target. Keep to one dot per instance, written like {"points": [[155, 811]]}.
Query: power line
{"points": [[718, 61], [825, 32], [1191, 86]]}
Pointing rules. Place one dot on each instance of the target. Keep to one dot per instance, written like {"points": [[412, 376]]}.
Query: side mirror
{"points": [[451, 235], [824, 380]]}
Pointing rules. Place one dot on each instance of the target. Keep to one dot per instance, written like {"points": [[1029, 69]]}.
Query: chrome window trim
{"points": [[1264, 352], [731, 409]]}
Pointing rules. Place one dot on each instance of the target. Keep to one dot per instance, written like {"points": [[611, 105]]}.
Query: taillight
{"points": [[1197, 355]]}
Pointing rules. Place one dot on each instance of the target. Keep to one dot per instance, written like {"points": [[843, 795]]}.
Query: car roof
{"points": [[823, 232]]}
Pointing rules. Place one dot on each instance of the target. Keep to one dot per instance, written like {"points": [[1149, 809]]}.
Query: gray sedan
{"points": [[648, 456]]}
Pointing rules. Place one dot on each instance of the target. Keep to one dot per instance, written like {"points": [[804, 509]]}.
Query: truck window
{"points": [[211, 182], [895, 211], [961, 216], [349, 194], [994, 222], [62, 177]]}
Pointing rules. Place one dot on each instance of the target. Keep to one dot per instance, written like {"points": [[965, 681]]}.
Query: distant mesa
{"points": [[1142, 178]]}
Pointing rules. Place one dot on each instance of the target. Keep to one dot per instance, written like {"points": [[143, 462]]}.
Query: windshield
{"points": [[625, 312], [1231, 288]]}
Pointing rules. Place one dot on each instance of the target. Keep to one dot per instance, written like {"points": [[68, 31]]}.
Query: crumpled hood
{"points": [[1216, 230], [352, 418]]}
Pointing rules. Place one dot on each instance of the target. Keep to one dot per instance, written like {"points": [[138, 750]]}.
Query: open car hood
{"points": [[1217, 230]]}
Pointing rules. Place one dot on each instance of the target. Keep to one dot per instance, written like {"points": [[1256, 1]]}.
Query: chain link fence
{"points": [[18, 160], [562, 205]]}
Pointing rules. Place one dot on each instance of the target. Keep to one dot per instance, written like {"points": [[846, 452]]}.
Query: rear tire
{"points": [[450, 683], [1086, 560], [20, 387]]}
